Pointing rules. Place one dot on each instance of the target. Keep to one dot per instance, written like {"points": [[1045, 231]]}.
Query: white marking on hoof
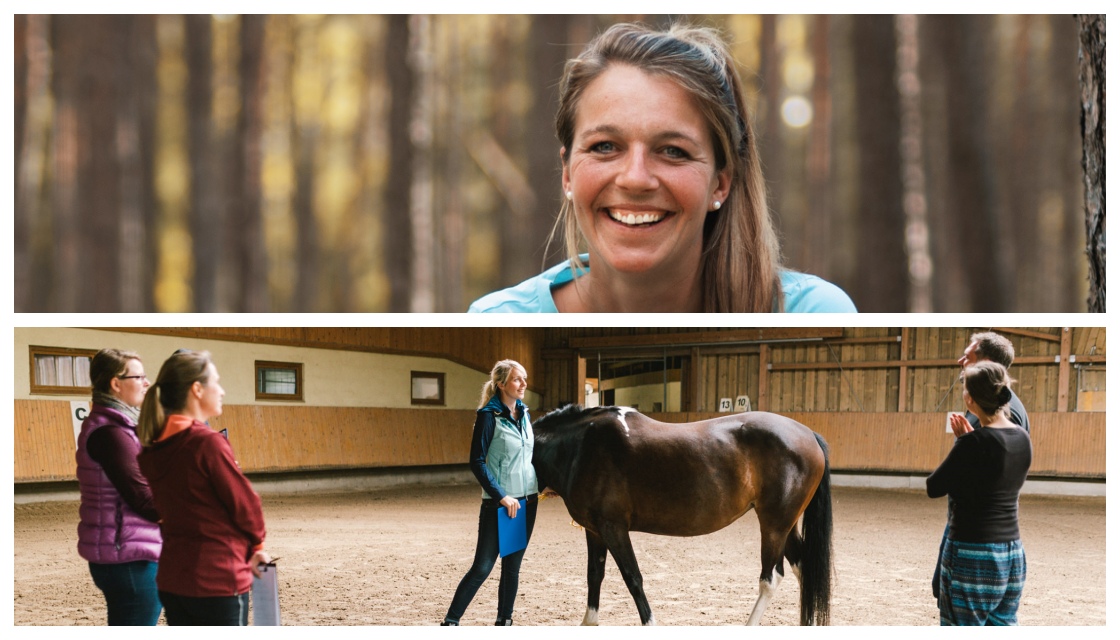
{"points": [[591, 618], [651, 623]]}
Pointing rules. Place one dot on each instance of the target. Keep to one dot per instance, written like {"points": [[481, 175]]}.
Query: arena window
{"points": [[279, 380], [60, 371], [427, 388]]}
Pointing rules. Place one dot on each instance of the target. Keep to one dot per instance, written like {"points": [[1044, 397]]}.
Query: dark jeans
{"points": [[219, 611], [130, 592], [485, 553]]}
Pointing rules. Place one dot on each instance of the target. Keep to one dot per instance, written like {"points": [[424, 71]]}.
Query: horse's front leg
{"points": [[596, 567], [617, 539]]}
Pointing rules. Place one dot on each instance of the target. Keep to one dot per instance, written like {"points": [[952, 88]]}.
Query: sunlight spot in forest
{"points": [[798, 71], [797, 112]]}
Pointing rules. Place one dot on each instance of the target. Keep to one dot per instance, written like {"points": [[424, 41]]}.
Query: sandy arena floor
{"points": [[393, 557]]}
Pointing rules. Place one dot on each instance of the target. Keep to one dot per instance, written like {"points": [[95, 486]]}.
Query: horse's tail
{"points": [[816, 564]]}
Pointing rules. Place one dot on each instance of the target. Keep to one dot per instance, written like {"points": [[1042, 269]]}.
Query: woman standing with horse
{"points": [[983, 566], [502, 461]]}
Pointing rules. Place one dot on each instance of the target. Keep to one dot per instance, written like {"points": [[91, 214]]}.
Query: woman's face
{"points": [[514, 386], [210, 394], [129, 387], [642, 173]]}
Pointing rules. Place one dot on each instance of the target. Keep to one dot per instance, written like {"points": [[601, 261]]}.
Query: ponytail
{"points": [[149, 427], [168, 394], [498, 375]]}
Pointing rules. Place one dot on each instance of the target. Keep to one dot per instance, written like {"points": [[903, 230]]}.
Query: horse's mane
{"points": [[571, 413]]}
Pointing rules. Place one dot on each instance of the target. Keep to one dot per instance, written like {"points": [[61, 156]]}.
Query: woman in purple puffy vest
{"points": [[118, 531]]}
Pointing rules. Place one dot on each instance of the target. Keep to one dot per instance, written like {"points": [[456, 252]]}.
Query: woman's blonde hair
{"points": [[168, 394], [741, 259], [498, 375]]}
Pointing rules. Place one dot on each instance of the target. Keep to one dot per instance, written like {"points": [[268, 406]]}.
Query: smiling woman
{"points": [[663, 185]]}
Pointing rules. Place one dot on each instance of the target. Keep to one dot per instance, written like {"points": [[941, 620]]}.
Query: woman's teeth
{"points": [[636, 219]]}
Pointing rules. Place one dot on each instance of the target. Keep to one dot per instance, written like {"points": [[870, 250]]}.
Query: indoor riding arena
{"points": [[357, 441]]}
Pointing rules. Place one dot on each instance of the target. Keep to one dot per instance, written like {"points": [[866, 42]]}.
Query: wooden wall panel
{"points": [[287, 438], [272, 438], [276, 438], [1070, 445], [43, 443]]}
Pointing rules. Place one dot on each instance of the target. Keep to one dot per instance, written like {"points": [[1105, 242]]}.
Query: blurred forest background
{"points": [[408, 163]]}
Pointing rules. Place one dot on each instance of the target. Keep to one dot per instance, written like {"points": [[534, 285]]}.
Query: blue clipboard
{"points": [[513, 533]]}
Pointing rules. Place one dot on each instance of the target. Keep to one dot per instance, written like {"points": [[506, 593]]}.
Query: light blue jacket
{"points": [[502, 451], [803, 293]]}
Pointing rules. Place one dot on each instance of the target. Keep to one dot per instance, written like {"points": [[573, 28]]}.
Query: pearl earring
{"points": [[716, 205], [569, 194]]}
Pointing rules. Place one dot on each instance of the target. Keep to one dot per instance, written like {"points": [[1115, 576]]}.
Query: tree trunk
{"points": [[969, 194], [548, 51], [305, 137], [1091, 58], [769, 137], [422, 130], [451, 227], [253, 294], [135, 75], [818, 232], [205, 217], [397, 227], [21, 235], [99, 169], [884, 285], [919, 261]]}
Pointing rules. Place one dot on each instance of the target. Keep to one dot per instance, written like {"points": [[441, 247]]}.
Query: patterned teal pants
{"points": [[981, 582]]}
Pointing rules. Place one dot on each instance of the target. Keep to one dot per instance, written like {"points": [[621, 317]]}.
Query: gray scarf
{"points": [[113, 402]]}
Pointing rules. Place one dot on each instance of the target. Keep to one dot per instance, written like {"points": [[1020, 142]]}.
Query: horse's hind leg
{"points": [[596, 567], [772, 542], [794, 552], [617, 540]]}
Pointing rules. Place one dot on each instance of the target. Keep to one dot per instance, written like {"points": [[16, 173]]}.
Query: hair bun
{"points": [[1005, 395]]}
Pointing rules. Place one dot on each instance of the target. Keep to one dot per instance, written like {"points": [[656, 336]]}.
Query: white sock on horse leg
{"points": [[766, 591], [591, 618]]}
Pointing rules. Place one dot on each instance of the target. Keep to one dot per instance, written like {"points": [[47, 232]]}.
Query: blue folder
{"points": [[513, 533]]}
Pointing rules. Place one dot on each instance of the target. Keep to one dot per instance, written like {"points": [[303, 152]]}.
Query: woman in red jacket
{"points": [[213, 528]]}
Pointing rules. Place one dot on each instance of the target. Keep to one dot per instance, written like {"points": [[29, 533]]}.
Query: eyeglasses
{"points": [[145, 377]]}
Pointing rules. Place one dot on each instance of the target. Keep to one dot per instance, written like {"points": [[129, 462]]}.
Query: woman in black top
{"points": [[983, 566]]}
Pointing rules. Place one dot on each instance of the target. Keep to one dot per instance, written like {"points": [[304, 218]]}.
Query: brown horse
{"points": [[620, 471]]}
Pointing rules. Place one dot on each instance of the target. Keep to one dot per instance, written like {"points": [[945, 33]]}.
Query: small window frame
{"points": [[56, 390], [441, 380], [297, 367]]}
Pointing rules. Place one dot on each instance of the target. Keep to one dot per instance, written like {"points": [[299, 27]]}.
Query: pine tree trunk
{"points": [[1091, 58], [253, 295], [205, 216], [397, 225], [884, 285]]}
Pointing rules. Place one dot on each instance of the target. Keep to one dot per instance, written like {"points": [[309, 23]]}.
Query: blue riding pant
{"points": [[485, 554], [130, 592]]}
